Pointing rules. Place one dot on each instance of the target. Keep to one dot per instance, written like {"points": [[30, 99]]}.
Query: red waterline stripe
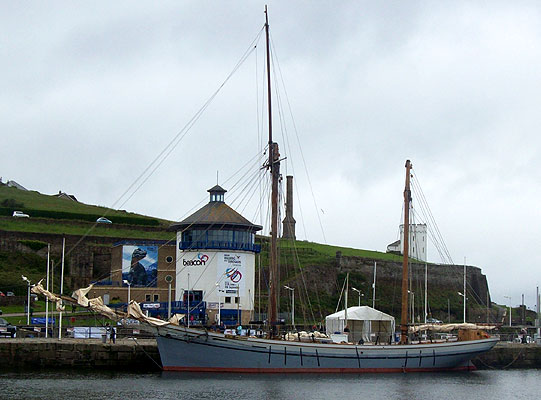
{"points": [[314, 370]]}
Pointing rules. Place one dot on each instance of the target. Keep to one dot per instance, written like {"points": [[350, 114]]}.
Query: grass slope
{"points": [[15, 199], [330, 250], [38, 225]]}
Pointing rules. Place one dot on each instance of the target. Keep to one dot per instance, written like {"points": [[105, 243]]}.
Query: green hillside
{"points": [[73, 217], [39, 225], [330, 250]]}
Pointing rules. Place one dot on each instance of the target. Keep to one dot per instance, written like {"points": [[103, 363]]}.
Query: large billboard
{"points": [[231, 273], [140, 265]]}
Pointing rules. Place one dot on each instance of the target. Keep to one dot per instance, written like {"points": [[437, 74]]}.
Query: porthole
{"points": [[169, 259]]}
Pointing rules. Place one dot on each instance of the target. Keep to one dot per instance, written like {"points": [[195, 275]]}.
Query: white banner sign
{"points": [[231, 271], [151, 305]]}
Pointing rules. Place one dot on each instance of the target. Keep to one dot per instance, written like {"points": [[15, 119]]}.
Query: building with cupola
{"points": [[215, 260]]}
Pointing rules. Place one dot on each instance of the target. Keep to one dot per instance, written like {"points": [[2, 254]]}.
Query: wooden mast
{"points": [[404, 314], [274, 165]]}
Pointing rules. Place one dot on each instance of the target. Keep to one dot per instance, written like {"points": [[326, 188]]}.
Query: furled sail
{"points": [[39, 289], [134, 311], [448, 327]]}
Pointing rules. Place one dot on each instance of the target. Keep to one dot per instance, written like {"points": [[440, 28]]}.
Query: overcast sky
{"points": [[92, 92]]}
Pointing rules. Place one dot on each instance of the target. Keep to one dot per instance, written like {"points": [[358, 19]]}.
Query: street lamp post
{"points": [[464, 289], [169, 279], [509, 297], [27, 301], [360, 294], [464, 295], [412, 306], [219, 305], [292, 305], [129, 290]]}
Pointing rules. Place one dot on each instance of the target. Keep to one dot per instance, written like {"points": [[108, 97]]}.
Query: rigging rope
{"points": [[437, 238], [299, 146], [173, 143]]}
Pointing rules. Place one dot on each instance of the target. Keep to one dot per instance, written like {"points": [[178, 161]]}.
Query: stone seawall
{"points": [[142, 355], [444, 283], [439, 275], [124, 355], [91, 260], [510, 356]]}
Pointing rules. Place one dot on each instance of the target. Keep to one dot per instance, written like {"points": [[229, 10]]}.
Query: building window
{"points": [[237, 300], [156, 298], [147, 297], [227, 300], [218, 237], [193, 295], [169, 259]]}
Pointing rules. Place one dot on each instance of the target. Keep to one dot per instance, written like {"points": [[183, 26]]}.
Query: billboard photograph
{"points": [[140, 265]]}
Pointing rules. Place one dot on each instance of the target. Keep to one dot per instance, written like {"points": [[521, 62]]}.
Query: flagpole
{"points": [[47, 300], [61, 288]]}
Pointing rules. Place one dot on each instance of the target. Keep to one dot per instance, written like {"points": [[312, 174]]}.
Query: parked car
{"points": [[6, 329], [20, 214], [433, 321], [103, 220], [10, 294]]}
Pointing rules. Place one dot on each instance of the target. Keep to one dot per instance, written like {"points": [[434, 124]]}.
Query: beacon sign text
{"points": [[201, 260]]}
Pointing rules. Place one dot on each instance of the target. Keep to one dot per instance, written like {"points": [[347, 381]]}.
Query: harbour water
{"points": [[489, 384]]}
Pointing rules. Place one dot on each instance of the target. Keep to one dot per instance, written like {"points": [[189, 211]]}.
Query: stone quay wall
{"points": [[124, 355], [90, 260], [510, 356], [443, 277]]}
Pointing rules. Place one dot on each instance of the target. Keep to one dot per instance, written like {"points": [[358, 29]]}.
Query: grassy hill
{"points": [[59, 226], [51, 214], [39, 205], [330, 250]]}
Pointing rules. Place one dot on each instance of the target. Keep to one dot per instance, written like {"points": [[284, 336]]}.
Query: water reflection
{"points": [[169, 385]]}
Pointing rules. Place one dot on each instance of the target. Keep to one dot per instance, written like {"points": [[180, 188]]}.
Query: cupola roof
{"points": [[216, 215]]}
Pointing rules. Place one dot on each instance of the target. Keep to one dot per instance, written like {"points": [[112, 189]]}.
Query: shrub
{"points": [[11, 203], [35, 245]]}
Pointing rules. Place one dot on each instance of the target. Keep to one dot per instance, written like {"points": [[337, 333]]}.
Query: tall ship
{"points": [[185, 348]]}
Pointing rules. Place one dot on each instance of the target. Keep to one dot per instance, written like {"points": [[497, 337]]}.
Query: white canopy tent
{"points": [[364, 323]]}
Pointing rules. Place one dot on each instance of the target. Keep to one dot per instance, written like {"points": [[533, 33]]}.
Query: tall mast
{"points": [[274, 165], [407, 200]]}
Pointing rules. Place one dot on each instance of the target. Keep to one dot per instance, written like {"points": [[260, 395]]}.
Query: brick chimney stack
{"points": [[289, 222]]}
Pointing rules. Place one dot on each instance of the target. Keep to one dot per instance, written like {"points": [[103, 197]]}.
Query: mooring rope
{"points": [[148, 355], [505, 366]]}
